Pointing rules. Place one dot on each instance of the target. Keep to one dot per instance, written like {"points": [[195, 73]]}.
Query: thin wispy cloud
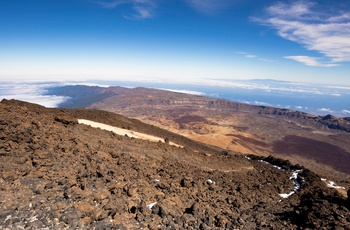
{"points": [[143, 9], [284, 87], [210, 6], [250, 56], [110, 4], [253, 56], [247, 55], [324, 31], [310, 61]]}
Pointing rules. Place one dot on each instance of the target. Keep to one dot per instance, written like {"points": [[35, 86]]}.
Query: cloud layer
{"points": [[143, 9], [30, 92], [316, 28]]}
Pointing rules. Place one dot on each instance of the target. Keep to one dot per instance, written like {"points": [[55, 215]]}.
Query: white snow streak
{"points": [[122, 132], [8, 217], [275, 166], [294, 177], [150, 206], [248, 158], [331, 184]]}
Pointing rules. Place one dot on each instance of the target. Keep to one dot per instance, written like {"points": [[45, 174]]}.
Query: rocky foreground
{"points": [[58, 174]]}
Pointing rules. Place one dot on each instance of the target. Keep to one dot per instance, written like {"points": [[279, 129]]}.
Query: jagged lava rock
{"points": [[58, 174]]}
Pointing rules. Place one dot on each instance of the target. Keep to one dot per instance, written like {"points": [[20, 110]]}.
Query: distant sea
{"points": [[310, 98]]}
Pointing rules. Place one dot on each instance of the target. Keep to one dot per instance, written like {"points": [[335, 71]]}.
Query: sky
{"points": [[175, 40]]}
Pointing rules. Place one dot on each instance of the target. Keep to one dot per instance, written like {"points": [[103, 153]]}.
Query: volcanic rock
{"points": [[58, 174]]}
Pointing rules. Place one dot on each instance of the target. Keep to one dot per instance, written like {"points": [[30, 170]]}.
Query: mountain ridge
{"points": [[330, 121], [242, 128]]}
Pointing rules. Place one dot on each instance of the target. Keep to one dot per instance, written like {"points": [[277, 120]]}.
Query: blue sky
{"points": [[175, 40]]}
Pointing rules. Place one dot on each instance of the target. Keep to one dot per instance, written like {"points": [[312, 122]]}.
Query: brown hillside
{"points": [[58, 174], [238, 127]]}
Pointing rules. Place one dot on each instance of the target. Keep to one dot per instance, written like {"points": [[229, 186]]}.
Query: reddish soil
{"points": [[317, 150], [190, 118], [245, 140]]}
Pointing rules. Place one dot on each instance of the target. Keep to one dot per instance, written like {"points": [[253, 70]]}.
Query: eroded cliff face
{"points": [[56, 173]]}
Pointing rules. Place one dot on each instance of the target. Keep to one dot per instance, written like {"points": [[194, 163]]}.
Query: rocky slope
{"points": [[58, 174], [321, 143]]}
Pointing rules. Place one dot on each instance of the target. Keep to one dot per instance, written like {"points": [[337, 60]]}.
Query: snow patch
{"points": [[125, 132], [285, 195], [8, 217], [275, 166], [209, 181], [150, 206], [331, 184], [294, 177]]}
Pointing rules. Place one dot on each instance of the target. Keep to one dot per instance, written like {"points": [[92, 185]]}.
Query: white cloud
{"points": [[336, 94], [30, 92], [47, 101], [298, 107], [296, 10], [345, 111], [144, 8], [328, 110], [310, 61], [338, 87], [261, 103], [269, 86], [327, 32], [339, 18]]}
